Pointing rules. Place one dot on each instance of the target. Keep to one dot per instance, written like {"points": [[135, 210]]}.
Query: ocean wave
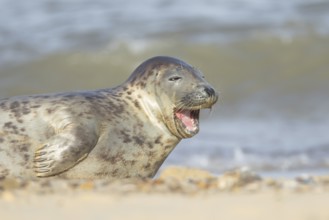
{"points": [[38, 28]]}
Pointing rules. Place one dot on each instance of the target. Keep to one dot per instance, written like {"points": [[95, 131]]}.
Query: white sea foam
{"points": [[262, 144]]}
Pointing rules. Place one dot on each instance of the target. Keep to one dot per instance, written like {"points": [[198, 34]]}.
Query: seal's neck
{"points": [[151, 108]]}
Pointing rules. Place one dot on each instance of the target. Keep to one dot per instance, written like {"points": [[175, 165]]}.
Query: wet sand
{"points": [[177, 193]]}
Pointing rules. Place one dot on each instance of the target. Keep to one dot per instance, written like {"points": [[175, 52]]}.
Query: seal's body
{"points": [[127, 131]]}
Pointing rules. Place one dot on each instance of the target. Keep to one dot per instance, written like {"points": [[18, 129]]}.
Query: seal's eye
{"points": [[175, 78]]}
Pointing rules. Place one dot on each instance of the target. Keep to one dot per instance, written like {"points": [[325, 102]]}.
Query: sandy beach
{"points": [[178, 193]]}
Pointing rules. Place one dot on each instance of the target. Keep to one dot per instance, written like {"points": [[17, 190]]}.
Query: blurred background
{"points": [[268, 58]]}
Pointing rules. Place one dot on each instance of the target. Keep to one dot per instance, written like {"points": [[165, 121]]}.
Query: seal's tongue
{"points": [[187, 118]]}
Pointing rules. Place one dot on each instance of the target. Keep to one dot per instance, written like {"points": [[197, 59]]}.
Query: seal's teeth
{"points": [[188, 118]]}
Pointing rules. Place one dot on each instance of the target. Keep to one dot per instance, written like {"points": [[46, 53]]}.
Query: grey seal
{"points": [[122, 132]]}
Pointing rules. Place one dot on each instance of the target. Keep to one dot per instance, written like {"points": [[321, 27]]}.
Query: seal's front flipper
{"points": [[63, 151]]}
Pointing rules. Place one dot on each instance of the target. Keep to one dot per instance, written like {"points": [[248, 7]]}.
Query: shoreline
{"points": [[177, 193], [172, 180]]}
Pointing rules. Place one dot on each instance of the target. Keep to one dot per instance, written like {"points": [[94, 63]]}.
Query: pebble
{"points": [[171, 180]]}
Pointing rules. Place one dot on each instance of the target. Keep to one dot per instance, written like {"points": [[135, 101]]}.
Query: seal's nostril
{"points": [[209, 91], [206, 90]]}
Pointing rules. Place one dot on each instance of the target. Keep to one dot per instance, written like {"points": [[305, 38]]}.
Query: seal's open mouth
{"points": [[187, 122]]}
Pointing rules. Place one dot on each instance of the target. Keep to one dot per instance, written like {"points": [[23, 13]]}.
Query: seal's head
{"points": [[176, 91]]}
